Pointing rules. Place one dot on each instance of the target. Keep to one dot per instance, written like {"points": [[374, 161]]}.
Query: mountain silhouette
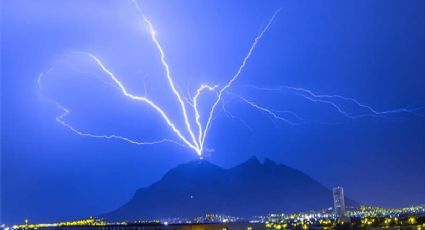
{"points": [[251, 188]]}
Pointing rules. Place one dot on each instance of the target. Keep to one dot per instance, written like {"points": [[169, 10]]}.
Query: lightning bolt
{"points": [[65, 112], [195, 133], [232, 116], [273, 113], [196, 140], [323, 98], [235, 77], [149, 102], [170, 79], [60, 119], [195, 107], [339, 102]]}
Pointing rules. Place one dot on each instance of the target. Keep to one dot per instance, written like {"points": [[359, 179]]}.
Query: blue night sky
{"points": [[371, 51]]}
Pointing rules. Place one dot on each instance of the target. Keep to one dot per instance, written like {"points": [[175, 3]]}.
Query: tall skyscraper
{"points": [[339, 203]]}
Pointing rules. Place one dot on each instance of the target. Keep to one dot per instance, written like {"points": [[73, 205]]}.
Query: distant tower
{"points": [[339, 203]]}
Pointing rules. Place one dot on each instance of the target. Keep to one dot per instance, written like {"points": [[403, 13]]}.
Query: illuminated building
{"points": [[339, 204]]}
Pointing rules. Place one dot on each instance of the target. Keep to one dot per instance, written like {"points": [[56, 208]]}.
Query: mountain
{"points": [[251, 188]]}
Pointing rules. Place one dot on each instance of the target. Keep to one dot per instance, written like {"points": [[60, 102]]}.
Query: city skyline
{"points": [[102, 98]]}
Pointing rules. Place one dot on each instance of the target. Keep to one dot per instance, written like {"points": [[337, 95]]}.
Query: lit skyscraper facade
{"points": [[339, 203]]}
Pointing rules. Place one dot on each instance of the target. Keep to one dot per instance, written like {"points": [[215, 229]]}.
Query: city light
{"points": [[362, 217]]}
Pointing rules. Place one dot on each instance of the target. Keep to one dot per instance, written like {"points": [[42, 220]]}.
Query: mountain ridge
{"points": [[251, 188]]}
